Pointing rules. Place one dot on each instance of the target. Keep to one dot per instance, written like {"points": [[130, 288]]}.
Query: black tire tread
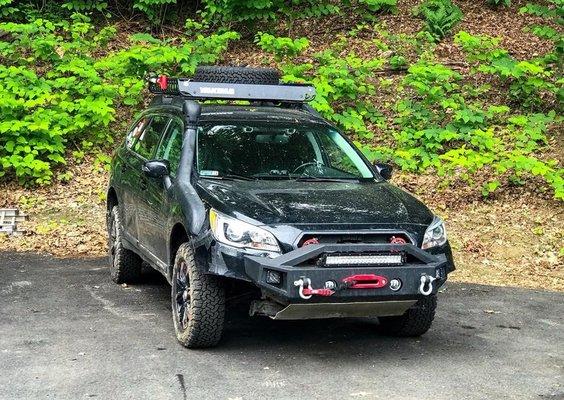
{"points": [[415, 322], [126, 265], [219, 74], [207, 305]]}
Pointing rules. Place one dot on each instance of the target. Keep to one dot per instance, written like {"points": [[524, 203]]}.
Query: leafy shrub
{"points": [[438, 127], [397, 62], [529, 80], [224, 11], [213, 12], [553, 10], [379, 5], [341, 83], [440, 16], [155, 10], [55, 93], [281, 47], [85, 5], [499, 3], [252, 11], [439, 122], [554, 13]]}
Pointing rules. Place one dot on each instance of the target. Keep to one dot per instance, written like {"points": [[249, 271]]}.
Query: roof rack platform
{"points": [[291, 93]]}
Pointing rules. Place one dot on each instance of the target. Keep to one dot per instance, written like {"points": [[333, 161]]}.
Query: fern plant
{"points": [[499, 3], [440, 17]]}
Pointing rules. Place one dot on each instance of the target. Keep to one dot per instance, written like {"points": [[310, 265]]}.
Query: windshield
{"points": [[277, 151]]}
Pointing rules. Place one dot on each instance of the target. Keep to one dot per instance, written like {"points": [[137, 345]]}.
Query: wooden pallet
{"points": [[9, 220]]}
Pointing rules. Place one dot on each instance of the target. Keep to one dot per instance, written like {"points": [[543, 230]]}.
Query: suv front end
{"points": [[327, 273]]}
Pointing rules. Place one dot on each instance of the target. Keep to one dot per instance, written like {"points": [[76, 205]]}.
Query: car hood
{"points": [[291, 202]]}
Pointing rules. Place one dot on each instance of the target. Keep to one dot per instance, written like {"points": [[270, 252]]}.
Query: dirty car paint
{"points": [[291, 202]]}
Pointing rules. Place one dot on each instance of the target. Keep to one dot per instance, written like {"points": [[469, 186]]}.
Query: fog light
{"points": [[273, 277], [395, 285]]}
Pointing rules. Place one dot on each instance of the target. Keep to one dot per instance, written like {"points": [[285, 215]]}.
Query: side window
{"points": [[149, 138], [136, 131], [334, 153], [171, 146]]}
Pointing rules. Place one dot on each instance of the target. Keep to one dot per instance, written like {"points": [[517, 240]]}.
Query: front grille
{"points": [[343, 238]]}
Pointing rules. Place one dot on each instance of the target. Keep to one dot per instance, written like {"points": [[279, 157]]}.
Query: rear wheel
{"points": [[198, 302], [125, 265], [415, 322], [251, 76]]}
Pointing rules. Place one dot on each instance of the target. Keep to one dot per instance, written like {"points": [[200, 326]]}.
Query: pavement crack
{"points": [[180, 378], [110, 306], [10, 288]]}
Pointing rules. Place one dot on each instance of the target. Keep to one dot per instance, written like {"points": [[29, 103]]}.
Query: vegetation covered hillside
{"points": [[465, 98]]}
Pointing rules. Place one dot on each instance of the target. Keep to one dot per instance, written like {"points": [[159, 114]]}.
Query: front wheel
{"points": [[198, 302], [415, 322]]}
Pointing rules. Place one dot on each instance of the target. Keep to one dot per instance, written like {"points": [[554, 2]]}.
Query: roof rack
{"points": [[291, 93]]}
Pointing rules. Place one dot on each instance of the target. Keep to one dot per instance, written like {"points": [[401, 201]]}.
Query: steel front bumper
{"points": [[297, 265]]}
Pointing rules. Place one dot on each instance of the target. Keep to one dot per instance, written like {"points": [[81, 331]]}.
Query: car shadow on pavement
{"points": [[348, 337]]}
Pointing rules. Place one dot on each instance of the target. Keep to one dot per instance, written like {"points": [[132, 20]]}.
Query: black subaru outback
{"points": [[221, 197]]}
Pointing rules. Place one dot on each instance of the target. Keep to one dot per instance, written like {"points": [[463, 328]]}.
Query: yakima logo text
{"points": [[216, 90]]}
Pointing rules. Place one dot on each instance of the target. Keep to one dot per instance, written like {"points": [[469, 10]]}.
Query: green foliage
{"points": [[211, 12], [553, 10], [552, 13], [342, 82], [499, 3], [397, 62], [440, 128], [378, 5], [281, 47], [225, 11], [155, 10], [64, 80], [440, 17], [85, 5], [529, 81], [56, 93], [439, 122], [253, 11]]}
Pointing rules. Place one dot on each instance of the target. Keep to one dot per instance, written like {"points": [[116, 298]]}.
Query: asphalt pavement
{"points": [[68, 332]]}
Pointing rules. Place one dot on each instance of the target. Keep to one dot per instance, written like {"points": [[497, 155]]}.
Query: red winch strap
{"points": [[318, 292], [365, 281]]}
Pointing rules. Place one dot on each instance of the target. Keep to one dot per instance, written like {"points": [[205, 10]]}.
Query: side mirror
{"points": [[385, 170], [156, 168]]}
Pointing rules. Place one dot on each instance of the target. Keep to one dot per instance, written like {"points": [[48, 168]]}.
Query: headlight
{"points": [[435, 235], [237, 233]]}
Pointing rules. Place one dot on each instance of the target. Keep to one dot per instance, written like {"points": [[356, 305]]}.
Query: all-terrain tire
{"points": [[415, 322], [254, 76], [125, 265], [206, 307]]}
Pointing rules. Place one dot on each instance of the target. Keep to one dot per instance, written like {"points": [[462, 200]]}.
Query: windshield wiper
{"points": [[272, 176], [306, 178], [229, 177]]}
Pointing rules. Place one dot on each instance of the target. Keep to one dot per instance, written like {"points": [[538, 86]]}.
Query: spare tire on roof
{"points": [[251, 76]]}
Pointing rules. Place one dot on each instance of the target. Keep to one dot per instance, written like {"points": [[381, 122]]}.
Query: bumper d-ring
{"points": [[301, 283], [426, 281]]}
